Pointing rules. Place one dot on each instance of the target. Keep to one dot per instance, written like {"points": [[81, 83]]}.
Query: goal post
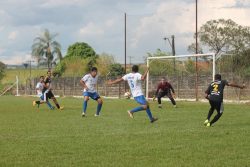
{"points": [[180, 59]]}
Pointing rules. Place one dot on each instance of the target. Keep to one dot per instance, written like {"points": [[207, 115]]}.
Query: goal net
{"points": [[188, 74]]}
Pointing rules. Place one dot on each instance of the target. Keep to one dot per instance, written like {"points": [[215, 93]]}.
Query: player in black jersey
{"points": [[214, 94], [47, 90]]}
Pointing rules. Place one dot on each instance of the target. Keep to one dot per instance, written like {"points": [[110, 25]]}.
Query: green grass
{"points": [[32, 137]]}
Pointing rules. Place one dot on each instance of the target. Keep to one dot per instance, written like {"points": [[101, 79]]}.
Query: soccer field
{"points": [[32, 137]]}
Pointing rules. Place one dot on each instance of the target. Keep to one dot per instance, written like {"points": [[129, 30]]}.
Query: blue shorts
{"points": [[141, 100], [94, 95]]}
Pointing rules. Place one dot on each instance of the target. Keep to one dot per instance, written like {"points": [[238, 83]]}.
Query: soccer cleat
{"points": [[34, 103], [206, 122], [159, 106], [61, 108], [97, 115], [130, 114], [52, 108], [175, 106], [83, 114], [153, 120]]}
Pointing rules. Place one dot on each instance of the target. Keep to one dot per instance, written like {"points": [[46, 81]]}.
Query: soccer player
{"points": [[134, 80], [39, 89], [214, 94], [88, 83], [47, 90], [164, 88]]}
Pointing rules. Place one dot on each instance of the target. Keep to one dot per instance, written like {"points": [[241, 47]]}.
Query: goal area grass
{"points": [[41, 137]]}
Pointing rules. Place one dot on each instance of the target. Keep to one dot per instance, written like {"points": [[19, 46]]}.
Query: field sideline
{"points": [[32, 137]]}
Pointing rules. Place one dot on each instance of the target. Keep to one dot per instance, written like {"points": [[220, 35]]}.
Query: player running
{"points": [[88, 83], [164, 88], [47, 90], [134, 80], [39, 89], [214, 94]]}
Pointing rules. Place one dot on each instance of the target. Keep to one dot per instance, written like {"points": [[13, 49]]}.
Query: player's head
{"points": [[135, 68], [49, 73], [217, 77], [163, 79], [41, 78], [93, 71]]}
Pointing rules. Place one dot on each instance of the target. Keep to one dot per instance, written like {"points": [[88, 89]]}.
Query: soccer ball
{"points": [[127, 95]]}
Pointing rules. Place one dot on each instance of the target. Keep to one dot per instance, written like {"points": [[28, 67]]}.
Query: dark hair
{"points": [[217, 76], [48, 71], [93, 69], [135, 68], [41, 76]]}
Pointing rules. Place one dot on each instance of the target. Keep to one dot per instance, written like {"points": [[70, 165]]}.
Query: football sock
{"points": [[48, 103], [159, 100], [149, 114], [210, 113], [37, 102], [85, 104], [216, 118], [137, 109], [57, 105], [99, 107], [173, 101]]}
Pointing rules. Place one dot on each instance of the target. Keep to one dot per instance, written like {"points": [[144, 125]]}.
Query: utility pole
{"points": [[196, 50], [130, 57], [125, 47], [173, 49], [172, 45]]}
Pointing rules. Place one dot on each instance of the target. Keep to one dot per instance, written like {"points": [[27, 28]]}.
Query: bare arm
{"points": [[236, 86], [115, 81], [83, 84], [144, 76]]}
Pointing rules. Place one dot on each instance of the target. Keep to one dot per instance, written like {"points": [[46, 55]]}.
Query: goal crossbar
{"points": [[179, 56]]}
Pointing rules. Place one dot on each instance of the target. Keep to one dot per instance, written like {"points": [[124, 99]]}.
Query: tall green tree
{"points": [[2, 70], [46, 48], [224, 36], [82, 50]]}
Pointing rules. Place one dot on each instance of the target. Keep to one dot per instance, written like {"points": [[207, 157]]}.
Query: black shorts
{"points": [[162, 94], [48, 95], [218, 105]]}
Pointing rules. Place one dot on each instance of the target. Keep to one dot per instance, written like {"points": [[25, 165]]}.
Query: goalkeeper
{"points": [[164, 88]]}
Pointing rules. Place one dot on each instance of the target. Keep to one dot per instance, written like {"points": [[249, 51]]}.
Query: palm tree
{"points": [[45, 48]]}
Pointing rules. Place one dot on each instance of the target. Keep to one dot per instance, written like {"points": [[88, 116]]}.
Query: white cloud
{"points": [[109, 23], [13, 35], [101, 23], [16, 58], [91, 29], [56, 3]]}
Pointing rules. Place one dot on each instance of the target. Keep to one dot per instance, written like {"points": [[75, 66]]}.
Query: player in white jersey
{"points": [[134, 80], [88, 83], [39, 90]]}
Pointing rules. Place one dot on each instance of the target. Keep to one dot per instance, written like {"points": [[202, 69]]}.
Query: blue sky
{"points": [[100, 23]]}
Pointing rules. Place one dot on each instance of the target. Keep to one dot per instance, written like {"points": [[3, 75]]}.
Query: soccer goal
{"points": [[10, 87], [188, 74]]}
